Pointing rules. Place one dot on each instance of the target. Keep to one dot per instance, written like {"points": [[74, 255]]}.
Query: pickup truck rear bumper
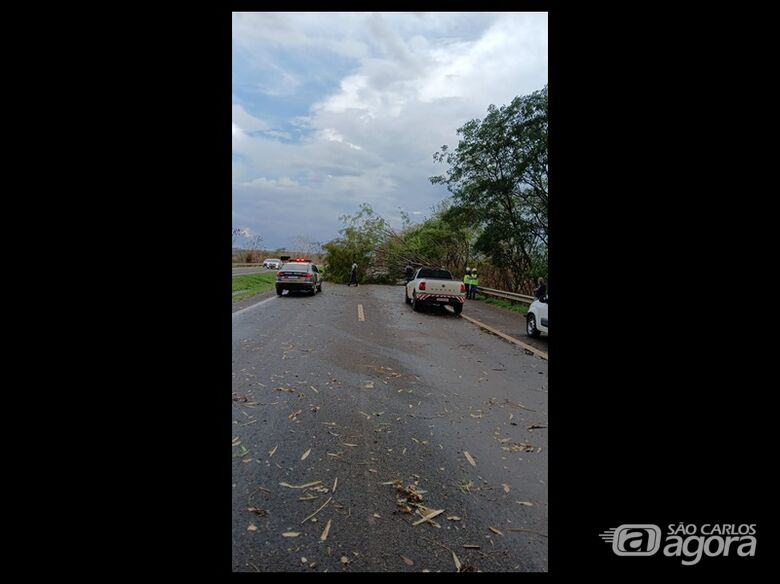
{"points": [[434, 298]]}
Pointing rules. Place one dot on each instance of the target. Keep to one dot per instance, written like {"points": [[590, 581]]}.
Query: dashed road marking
{"points": [[361, 315]]}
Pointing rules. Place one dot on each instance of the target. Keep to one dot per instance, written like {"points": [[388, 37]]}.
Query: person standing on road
{"points": [[467, 282], [541, 289], [409, 273], [474, 283], [353, 275]]}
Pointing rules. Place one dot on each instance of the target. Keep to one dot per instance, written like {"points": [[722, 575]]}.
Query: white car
{"points": [[536, 318], [272, 264]]}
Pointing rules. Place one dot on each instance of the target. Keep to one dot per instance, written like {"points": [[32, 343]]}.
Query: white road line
{"points": [[255, 305], [361, 315], [505, 336]]}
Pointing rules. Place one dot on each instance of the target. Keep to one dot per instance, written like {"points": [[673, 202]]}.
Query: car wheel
{"points": [[458, 308], [531, 326], [319, 288], [415, 303], [406, 296], [279, 291]]}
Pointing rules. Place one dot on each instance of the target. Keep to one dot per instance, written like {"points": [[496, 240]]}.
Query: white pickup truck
{"points": [[435, 286]]}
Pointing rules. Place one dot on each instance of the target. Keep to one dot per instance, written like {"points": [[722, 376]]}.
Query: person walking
{"points": [[353, 275], [409, 273], [474, 283]]}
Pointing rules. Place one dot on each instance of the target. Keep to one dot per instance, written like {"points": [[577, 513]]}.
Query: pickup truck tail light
{"points": [[422, 286], [462, 287]]}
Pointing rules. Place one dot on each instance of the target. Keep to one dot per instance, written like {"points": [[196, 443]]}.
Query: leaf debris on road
{"points": [[458, 565], [469, 458], [325, 531], [427, 516], [289, 486], [306, 454]]}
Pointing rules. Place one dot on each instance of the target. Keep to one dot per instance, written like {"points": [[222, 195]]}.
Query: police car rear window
{"points": [[295, 267]]}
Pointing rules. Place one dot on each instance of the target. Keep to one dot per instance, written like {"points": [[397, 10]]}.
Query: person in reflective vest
{"points": [[467, 282], [474, 283]]}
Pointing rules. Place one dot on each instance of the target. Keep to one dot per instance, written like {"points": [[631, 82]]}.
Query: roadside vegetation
{"points": [[248, 285], [508, 304], [495, 219]]}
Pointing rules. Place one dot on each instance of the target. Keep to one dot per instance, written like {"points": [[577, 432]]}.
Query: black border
{"points": [[651, 169]]}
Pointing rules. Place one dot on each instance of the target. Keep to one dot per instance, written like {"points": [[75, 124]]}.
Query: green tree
{"points": [[359, 240], [498, 177]]}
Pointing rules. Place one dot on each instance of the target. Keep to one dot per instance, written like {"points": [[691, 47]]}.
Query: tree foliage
{"points": [[359, 240], [498, 176], [496, 219]]}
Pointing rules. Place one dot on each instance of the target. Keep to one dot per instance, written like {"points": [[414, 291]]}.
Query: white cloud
{"points": [[284, 182], [414, 79], [278, 134], [242, 120]]}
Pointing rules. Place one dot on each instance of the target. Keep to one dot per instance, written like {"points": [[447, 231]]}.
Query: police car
{"points": [[299, 275]]}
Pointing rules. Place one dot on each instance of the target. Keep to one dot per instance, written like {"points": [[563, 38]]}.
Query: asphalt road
{"points": [[319, 395]]}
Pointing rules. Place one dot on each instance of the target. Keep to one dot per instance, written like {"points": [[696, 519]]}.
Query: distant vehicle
{"points": [[536, 318], [272, 263], [299, 274], [435, 286]]}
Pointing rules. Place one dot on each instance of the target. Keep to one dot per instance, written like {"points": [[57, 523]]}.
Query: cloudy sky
{"points": [[331, 110]]}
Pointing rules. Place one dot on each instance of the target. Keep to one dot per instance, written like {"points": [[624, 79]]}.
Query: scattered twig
{"points": [[428, 517], [289, 486], [324, 535], [437, 543], [318, 510]]}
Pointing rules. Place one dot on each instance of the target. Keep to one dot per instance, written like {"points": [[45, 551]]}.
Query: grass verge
{"points": [[508, 304], [250, 284]]}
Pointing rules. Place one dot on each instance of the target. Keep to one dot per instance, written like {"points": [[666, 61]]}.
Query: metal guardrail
{"points": [[507, 295]]}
